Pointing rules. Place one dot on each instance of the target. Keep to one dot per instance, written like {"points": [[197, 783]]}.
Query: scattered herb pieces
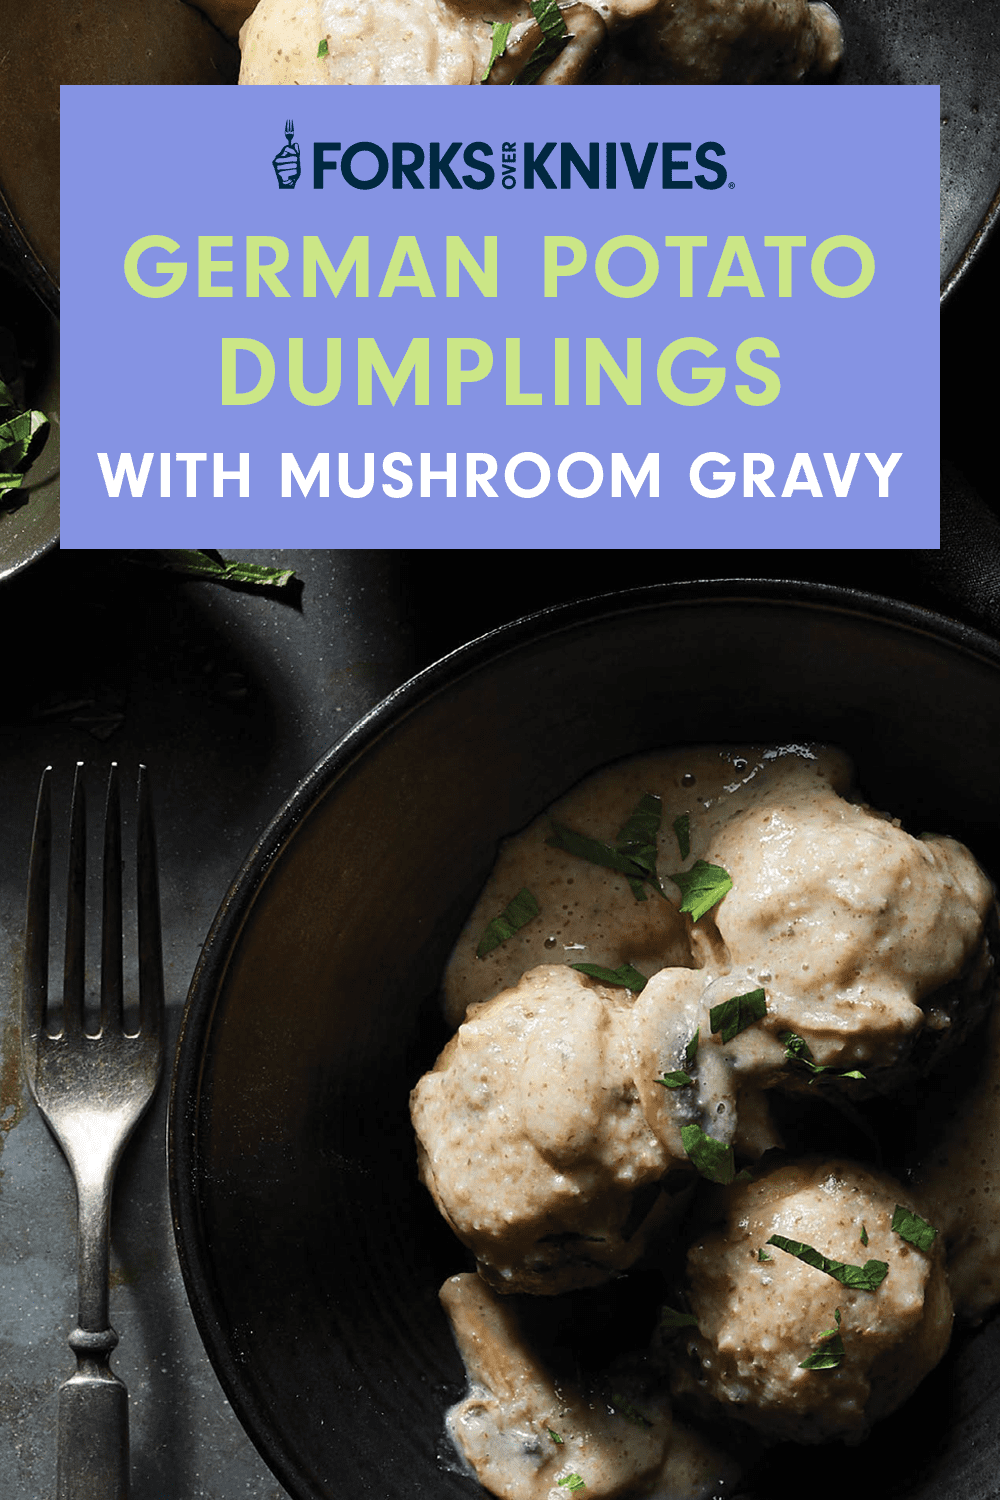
{"points": [[572, 1482], [633, 853], [712, 1159], [866, 1278], [797, 1049], [672, 1321], [554, 35], [516, 914], [498, 46], [735, 1015], [323, 48], [830, 1352], [702, 887], [864, 1235], [763, 1255], [625, 976], [912, 1228], [682, 829], [215, 567], [678, 1079], [23, 435], [554, 1436], [637, 838], [624, 1408]]}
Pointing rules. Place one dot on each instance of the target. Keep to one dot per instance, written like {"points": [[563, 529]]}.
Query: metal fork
{"points": [[91, 1090]]}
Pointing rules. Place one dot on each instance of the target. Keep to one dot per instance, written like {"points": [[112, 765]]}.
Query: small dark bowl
{"points": [[312, 1256]]}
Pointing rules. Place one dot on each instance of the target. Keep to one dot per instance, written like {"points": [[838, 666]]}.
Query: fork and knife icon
{"points": [[288, 164]]}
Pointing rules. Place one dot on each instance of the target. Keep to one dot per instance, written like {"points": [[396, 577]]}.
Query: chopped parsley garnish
{"points": [[554, 1436], [864, 1235], [830, 1352], [22, 437], [763, 1255], [682, 829], [681, 1077], [912, 1228], [634, 852], [712, 1159], [624, 977], [672, 1321], [554, 35], [866, 1278], [735, 1015], [516, 914], [323, 48], [498, 45], [678, 1079], [797, 1049], [213, 566], [624, 1408], [702, 887], [572, 1482], [637, 838]]}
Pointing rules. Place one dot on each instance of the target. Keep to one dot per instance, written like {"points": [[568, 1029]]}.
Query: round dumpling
{"points": [[783, 1345], [871, 945], [532, 1139]]}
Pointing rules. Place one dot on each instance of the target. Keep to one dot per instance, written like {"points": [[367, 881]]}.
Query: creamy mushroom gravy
{"points": [[558, 1158], [611, 41]]}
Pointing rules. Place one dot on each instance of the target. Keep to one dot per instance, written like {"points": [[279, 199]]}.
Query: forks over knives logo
{"points": [[288, 164]]}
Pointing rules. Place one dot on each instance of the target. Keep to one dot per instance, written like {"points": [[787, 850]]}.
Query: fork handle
{"points": [[92, 1444]]}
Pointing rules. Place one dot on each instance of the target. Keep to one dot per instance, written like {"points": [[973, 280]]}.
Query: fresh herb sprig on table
{"points": [[23, 435]]}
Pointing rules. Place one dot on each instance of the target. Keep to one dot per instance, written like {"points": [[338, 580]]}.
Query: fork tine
{"points": [[148, 902], [75, 910], [112, 983], [36, 922]]}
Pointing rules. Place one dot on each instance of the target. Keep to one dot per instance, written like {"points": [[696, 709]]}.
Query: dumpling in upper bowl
{"points": [[612, 41]]}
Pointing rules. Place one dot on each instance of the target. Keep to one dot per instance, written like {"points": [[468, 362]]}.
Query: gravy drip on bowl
{"points": [[561, 1129]]}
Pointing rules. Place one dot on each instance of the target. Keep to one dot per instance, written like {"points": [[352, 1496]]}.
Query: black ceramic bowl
{"points": [[311, 1254]]}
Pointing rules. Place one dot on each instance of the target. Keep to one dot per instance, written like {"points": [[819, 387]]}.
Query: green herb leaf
{"points": [[672, 1321], [797, 1049], [831, 1352], [682, 828], [516, 914], [625, 976], [702, 887], [498, 46], [554, 1436], [640, 831], [323, 48], [554, 35], [763, 1255], [912, 1228], [203, 565], [864, 1235], [866, 1278], [691, 1050], [572, 1482], [22, 438], [593, 850], [624, 1408], [676, 1080], [712, 1159], [733, 1016]]}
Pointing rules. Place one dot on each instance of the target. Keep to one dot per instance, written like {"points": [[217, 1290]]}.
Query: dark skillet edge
{"points": [[970, 255], [17, 253], [237, 906]]}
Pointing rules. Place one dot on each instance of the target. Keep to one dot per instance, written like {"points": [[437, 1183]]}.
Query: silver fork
{"points": [[92, 1089]]}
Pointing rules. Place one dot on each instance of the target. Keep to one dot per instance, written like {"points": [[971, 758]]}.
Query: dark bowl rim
{"points": [[237, 905]]}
